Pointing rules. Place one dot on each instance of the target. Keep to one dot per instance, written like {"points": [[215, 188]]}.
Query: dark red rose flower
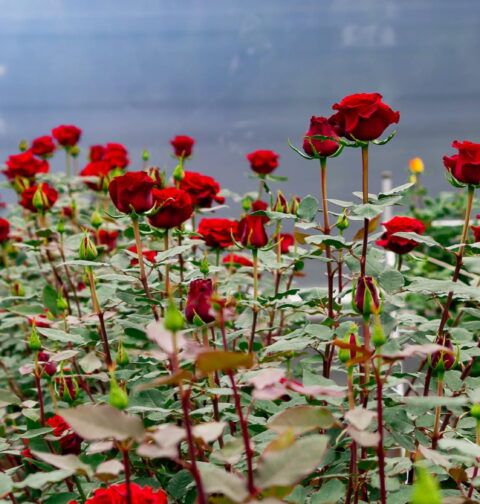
{"points": [[366, 299], [108, 238], [116, 155], [259, 206], [117, 494], [99, 169], [199, 301], [251, 232], [175, 207], [67, 211], [96, 153], [217, 233], [400, 225], [202, 188], [40, 320], [287, 240], [71, 444], [44, 199], [67, 136], [132, 192], [4, 230], [58, 424], [363, 116], [236, 260], [25, 165], [26, 453], [182, 145], [263, 162], [464, 166], [48, 366], [443, 361], [43, 146], [148, 254], [324, 148]]}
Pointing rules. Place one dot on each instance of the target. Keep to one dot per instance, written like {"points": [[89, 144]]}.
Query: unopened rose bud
{"points": [[178, 173], [365, 297], [281, 203], [442, 361], [87, 250], [40, 200], [62, 303], [74, 151], [122, 356], [246, 203], [173, 318], [378, 335], [18, 289], [34, 342], [204, 267], [117, 397], [145, 155], [23, 145], [347, 354], [96, 219], [157, 176], [342, 222], [475, 412], [294, 204], [61, 225]]}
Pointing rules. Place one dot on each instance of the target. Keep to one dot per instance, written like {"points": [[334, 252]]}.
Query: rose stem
{"points": [[438, 410], [98, 311], [126, 466], [69, 277], [255, 296], [261, 183], [238, 407], [363, 260], [167, 266], [37, 372], [76, 480], [456, 274], [380, 449]]}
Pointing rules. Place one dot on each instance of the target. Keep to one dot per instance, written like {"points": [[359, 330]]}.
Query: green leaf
{"points": [[28, 309], [6, 484], [298, 151], [391, 280], [50, 297], [37, 480], [425, 489], [61, 498], [178, 485], [7, 397], [308, 208], [301, 419], [330, 493], [66, 462], [216, 480], [334, 241], [58, 335], [292, 464], [427, 240]]}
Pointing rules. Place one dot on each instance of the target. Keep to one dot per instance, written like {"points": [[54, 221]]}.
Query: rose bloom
{"points": [[99, 169], [96, 152], [363, 116], [400, 225], [108, 238], [464, 166], [259, 206], [116, 155], [148, 254], [58, 424], [287, 240], [263, 162], [25, 165], [251, 232], [67, 136], [236, 261], [117, 494], [199, 301], [4, 230], [49, 197], [132, 192], [217, 233], [43, 146], [202, 188], [174, 207], [182, 145], [321, 148]]}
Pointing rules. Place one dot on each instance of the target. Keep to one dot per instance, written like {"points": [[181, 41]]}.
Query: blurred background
{"points": [[240, 76]]}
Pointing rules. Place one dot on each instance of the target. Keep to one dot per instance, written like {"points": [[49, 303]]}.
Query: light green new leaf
{"points": [[301, 419]]}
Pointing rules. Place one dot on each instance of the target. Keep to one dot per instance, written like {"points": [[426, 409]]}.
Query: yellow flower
{"points": [[416, 165]]}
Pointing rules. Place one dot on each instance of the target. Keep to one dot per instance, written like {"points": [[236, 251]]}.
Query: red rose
{"points": [[43, 146], [24, 165], [67, 211], [4, 229], [148, 254], [199, 301], [475, 229], [132, 192], [464, 166], [363, 116], [108, 238], [321, 148], [440, 360], [217, 233], [117, 494], [236, 260], [263, 162], [366, 299], [260, 206], [251, 232], [182, 146], [174, 207], [71, 444], [66, 136], [58, 424], [202, 188], [44, 199], [287, 240], [48, 366], [116, 155], [99, 169], [96, 152], [400, 225]]}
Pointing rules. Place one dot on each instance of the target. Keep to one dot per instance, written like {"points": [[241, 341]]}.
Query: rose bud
{"points": [[108, 238], [62, 303], [400, 225], [286, 241], [320, 148], [41, 197], [234, 260], [24, 165], [251, 232], [475, 412], [416, 165], [363, 116], [96, 153], [281, 203], [34, 342], [442, 361], [173, 320], [464, 166], [67, 387], [346, 354], [157, 176], [71, 444], [67, 136], [4, 230], [122, 356], [96, 219], [145, 155], [117, 397], [172, 207], [22, 145], [378, 335], [132, 192], [18, 289], [202, 189], [87, 250], [365, 297], [294, 204], [199, 301], [43, 146], [49, 367], [217, 233], [178, 173], [263, 162], [342, 222], [99, 169], [182, 146]]}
